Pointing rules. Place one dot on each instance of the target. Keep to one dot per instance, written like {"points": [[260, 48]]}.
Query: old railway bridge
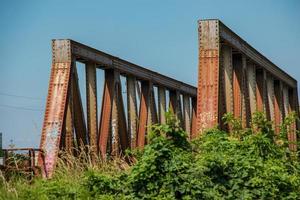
{"points": [[232, 77]]}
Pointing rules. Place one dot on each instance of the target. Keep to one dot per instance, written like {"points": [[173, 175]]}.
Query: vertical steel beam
{"points": [[143, 116], [237, 86], [132, 110], [194, 118], [260, 90], [278, 105], [270, 90], [175, 105], [162, 105], [79, 120], [106, 111], [246, 110], [124, 138], [208, 77], [251, 76], [55, 106], [227, 86], [91, 97], [152, 113], [187, 114], [293, 101], [69, 128]]}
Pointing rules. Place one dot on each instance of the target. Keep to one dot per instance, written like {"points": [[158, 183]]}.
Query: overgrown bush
{"points": [[253, 163]]}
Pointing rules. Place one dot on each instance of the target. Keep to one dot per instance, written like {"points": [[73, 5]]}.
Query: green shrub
{"points": [[252, 163]]}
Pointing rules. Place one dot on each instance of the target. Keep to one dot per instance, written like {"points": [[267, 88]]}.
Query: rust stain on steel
{"points": [[124, 140], [270, 89], [187, 114], [132, 110], [55, 106], [194, 118], [91, 100], [293, 99], [152, 113], [260, 84], [227, 77], [69, 128], [278, 108], [208, 77], [143, 116], [79, 121], [161, 105], [105, 122], [246, 110], [251, 75], [237, 87]]}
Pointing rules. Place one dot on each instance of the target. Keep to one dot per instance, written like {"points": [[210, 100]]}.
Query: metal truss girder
{"points": [[162, 105], [260, 90], [106, 111], [79, 120], [175, 105], [194, 118], [91, 97], [152, 113], [270, 91], [278, 105], [103, 60], [69, 128], [143, 116], [132, 110], [227, 78], [237, 87], [246, 110], [119, 120], [251, 76], [238, 43], [293, 101], [187, 114]]}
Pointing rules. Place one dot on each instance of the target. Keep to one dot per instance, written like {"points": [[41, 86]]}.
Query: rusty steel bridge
{"points": [[232, 77]]}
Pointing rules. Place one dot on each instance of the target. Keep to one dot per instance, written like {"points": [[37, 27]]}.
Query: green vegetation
{"points": [[249, 163]]}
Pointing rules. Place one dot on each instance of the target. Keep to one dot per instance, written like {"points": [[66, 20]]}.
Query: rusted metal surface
{"points": [[251, 75], [22, 160], [132, 110], [232, 77], [79, 120], [143, 116], [237, 86], [278, 105], [194, 118], [105, 121], [56, 105], [187, 114], [241, 45], [208, 77], [91, 100], [161, 104], [228, 78], [256, 82]]}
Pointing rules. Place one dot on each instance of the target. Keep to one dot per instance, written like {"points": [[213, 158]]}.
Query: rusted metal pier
{"points": [[233, 77]]}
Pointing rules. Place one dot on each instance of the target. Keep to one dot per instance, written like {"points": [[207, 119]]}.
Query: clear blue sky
{"points": [[161, 35]]}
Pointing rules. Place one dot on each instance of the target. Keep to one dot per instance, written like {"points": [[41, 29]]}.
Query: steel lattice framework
{"points": [[236, 78], [64, 123], [233, 77]]}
